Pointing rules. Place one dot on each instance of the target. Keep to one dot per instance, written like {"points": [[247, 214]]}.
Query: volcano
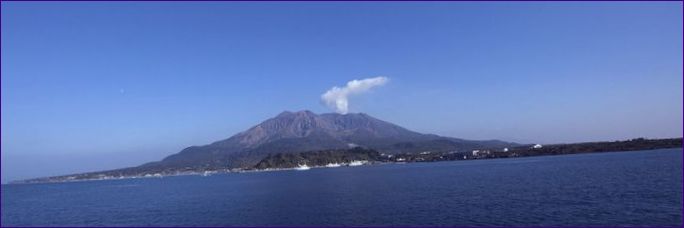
{"points": [[292, 132]]}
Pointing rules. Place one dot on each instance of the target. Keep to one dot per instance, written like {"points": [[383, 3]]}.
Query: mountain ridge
{"points": [[293, 133], [291, 136], [305, 131]]}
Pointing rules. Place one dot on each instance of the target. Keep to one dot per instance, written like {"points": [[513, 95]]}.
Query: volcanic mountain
{"points": [[291, 132], [290, 137]]}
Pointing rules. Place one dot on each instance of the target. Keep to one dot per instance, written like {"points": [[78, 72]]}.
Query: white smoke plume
{"points": [[337, 98]]}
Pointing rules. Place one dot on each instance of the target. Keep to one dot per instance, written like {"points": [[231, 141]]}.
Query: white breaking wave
{"points": [[332, 165], [303, 167], [357, 163]]}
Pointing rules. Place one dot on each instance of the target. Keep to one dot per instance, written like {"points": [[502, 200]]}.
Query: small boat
{"points": [[302, 167]]}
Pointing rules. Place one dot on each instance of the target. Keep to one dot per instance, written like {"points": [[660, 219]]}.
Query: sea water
{"points": [[625, 188]]}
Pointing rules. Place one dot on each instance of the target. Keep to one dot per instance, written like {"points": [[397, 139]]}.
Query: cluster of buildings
{"points": [[478, 153]]}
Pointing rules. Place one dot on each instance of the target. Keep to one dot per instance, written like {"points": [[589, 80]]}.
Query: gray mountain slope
{"points": [[291, 132]]}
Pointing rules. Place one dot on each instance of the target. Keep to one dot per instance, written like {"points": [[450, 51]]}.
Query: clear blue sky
{"points": [[91, 86]]}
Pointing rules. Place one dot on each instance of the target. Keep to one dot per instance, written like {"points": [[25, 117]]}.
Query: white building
{"points": [[537, 146]]}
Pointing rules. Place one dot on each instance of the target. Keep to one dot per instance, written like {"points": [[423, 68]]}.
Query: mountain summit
{"points": [[291, 132]]}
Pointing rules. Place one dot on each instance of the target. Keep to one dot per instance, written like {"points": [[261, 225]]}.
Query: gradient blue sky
{"points": [[91, 86]]}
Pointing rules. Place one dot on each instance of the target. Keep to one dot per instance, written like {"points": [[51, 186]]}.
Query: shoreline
{"points": [[237, 171], [203, 174]]}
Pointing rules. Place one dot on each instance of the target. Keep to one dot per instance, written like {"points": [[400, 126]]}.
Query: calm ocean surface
{"points": [[628, 188]]}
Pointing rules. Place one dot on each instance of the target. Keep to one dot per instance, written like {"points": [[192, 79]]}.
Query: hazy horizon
{"points": [[95, 86]]}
